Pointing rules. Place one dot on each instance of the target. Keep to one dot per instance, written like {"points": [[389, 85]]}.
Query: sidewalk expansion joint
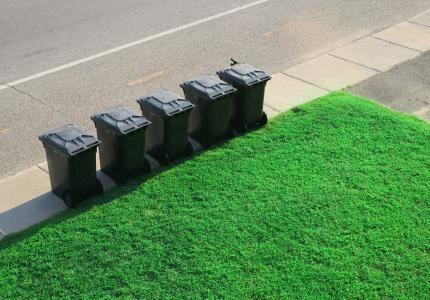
{"points": [[43, 169], [270, 106], [419, 24], [378, 38], [305, 81], [356, 63]]}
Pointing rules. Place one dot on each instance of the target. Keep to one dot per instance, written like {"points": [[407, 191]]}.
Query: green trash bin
{"points": [[122, 152], [249, 100], [167, 138], [71, 156], [210, 121]]}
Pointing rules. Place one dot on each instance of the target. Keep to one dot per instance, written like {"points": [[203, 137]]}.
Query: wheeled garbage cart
{"points": [[71, 156], [210, 121], [248, 106], [167, 137], [122, 152]]}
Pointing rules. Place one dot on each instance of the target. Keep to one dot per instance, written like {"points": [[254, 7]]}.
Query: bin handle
{"points": [[233, 62]]}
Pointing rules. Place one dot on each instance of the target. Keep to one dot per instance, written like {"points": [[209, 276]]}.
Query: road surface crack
{"points": [[24, 93], [38, 100]]}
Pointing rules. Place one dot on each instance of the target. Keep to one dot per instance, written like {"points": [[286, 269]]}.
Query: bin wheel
{"points": [[120, 179], [209, 141], [240, 127], [232, 132], [190, 148], [68, 198], [263, 120], [166, 158], [243, 128], [147, 166], [99, 187]]}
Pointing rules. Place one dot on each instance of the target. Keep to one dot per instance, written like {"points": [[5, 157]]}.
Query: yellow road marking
{"points": [[4, 130], [147, 78]]}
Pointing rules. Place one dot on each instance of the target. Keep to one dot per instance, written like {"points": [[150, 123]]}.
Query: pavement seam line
{"points": [[305, 81], [378, 38], [382, 40], [419, 24], [270, 106], [421, 13], [371, 35], [42, 169], [132, 44], [356, 63]]}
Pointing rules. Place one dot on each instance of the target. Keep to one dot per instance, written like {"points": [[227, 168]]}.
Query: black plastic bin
{"points": [[71, 155], [210, 121], [250, 83], [122, 152], [167, 137]]}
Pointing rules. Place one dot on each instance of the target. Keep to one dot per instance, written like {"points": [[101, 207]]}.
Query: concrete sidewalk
{"points": [[26, 198]]}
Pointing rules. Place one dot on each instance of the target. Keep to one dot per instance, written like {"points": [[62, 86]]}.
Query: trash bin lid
{"points": [[69, 140], [121, 119], [243, 75], [209, 87], [166, 103]]}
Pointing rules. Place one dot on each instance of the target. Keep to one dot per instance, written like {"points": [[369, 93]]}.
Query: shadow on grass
{"points": [[48, 204], [51, 209]]}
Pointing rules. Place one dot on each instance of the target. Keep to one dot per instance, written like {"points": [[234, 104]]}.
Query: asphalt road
{"points": [[64, 38]]}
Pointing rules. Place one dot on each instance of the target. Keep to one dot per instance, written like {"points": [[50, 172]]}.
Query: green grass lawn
{"points": [[330, 200]]}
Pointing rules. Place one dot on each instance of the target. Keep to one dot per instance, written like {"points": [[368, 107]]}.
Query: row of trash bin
{"points": [[214, 109]]}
